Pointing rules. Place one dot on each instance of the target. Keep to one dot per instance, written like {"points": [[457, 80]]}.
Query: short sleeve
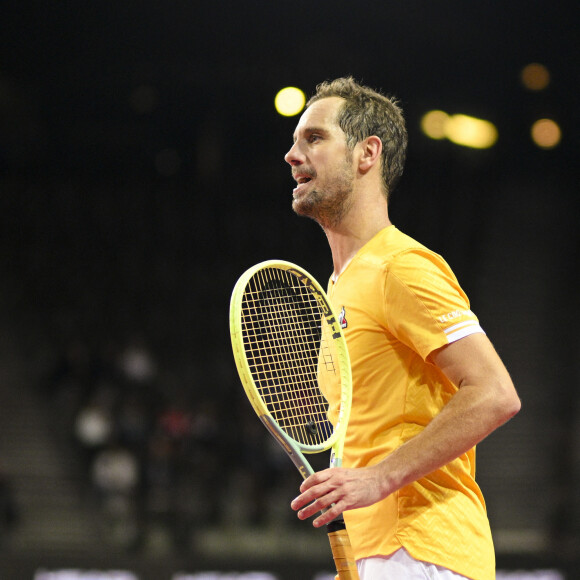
{"points": [[425, 308]]}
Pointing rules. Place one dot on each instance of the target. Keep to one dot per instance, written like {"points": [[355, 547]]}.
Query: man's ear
{"points": [[371, 149]]}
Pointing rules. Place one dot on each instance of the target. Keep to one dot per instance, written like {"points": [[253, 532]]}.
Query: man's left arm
{"points": [[485, 399]]}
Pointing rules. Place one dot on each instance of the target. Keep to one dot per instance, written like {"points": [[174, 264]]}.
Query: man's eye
{"points": [[313, 138]]}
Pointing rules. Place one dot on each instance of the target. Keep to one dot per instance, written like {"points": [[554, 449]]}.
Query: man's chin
{"points": [[303, 208]]}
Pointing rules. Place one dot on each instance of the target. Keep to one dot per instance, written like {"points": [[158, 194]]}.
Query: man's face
{"points": [[321, 164]]}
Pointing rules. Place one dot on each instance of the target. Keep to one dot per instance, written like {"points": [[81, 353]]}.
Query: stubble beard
{"points": [[328, 207]]}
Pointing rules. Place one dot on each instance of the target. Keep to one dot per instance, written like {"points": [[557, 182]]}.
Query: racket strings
{"points": [[286, 347]]}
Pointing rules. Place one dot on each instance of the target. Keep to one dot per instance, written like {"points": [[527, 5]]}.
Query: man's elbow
{"points": [[508, 404], [516, 405]]}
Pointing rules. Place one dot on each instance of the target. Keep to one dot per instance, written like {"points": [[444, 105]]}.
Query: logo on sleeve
{"points": [[452, 316], [342, 318]]}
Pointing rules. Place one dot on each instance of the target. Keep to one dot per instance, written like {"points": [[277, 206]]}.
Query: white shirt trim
{"points": [[462, 329]]}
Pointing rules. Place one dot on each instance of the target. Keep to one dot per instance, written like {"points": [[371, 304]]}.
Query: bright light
{"points": [[546, 133], [460, 129], [535, 76], [289, 101], [433, 124], [471, 132]]}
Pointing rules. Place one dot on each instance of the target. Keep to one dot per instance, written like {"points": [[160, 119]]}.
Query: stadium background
{"points": [[141, 172]]}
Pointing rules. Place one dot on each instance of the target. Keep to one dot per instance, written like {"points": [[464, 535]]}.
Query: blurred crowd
{"points": [[162, 461]]}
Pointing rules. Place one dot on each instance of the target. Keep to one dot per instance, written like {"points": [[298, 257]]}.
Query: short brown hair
{"points": [[367, 112]]}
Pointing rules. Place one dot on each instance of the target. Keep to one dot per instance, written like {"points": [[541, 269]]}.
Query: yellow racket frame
{"points": [[294, 448], [337, 533]]}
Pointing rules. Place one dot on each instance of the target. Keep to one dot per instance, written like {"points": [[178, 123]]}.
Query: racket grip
{"points": [[341, 550]]}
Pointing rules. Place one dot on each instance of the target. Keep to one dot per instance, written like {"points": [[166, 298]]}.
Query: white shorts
{"points": [[400, 564]]}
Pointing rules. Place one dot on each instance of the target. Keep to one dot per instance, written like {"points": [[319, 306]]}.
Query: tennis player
{"points": [[428, 384]]}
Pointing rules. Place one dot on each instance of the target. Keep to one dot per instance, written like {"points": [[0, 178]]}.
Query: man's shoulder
{"points": [[393, 247]]}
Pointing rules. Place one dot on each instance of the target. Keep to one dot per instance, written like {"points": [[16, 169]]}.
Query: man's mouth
{"points": [[301, 180]]}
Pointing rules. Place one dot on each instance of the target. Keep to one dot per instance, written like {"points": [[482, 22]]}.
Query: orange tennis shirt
{"points": [[397, 303]]}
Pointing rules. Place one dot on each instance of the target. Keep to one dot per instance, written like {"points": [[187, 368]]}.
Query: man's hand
{"points": [[345, 488]]}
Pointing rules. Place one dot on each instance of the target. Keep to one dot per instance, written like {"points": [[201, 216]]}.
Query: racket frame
{"points": [[337, 533], [293, 448]]}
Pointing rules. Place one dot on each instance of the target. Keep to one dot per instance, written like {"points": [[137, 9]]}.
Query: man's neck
{"points": [[351, 235]]}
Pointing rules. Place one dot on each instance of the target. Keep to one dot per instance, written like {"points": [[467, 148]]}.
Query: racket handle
{"points": [[341, 550]]}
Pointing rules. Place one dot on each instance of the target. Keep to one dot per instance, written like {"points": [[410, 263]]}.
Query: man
{"points": [[428, 384]]}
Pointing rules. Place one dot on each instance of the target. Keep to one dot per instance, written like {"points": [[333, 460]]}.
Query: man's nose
{"points": [[293, 157]]}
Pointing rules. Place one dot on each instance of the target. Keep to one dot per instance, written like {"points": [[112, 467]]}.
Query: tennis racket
{"points": [[293, 362]]}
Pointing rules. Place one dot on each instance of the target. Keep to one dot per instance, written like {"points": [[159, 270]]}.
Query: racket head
{"points": [[291, 355]]}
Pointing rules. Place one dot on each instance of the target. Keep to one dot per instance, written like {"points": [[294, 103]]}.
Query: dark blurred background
{"points": [[141, 172]]}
